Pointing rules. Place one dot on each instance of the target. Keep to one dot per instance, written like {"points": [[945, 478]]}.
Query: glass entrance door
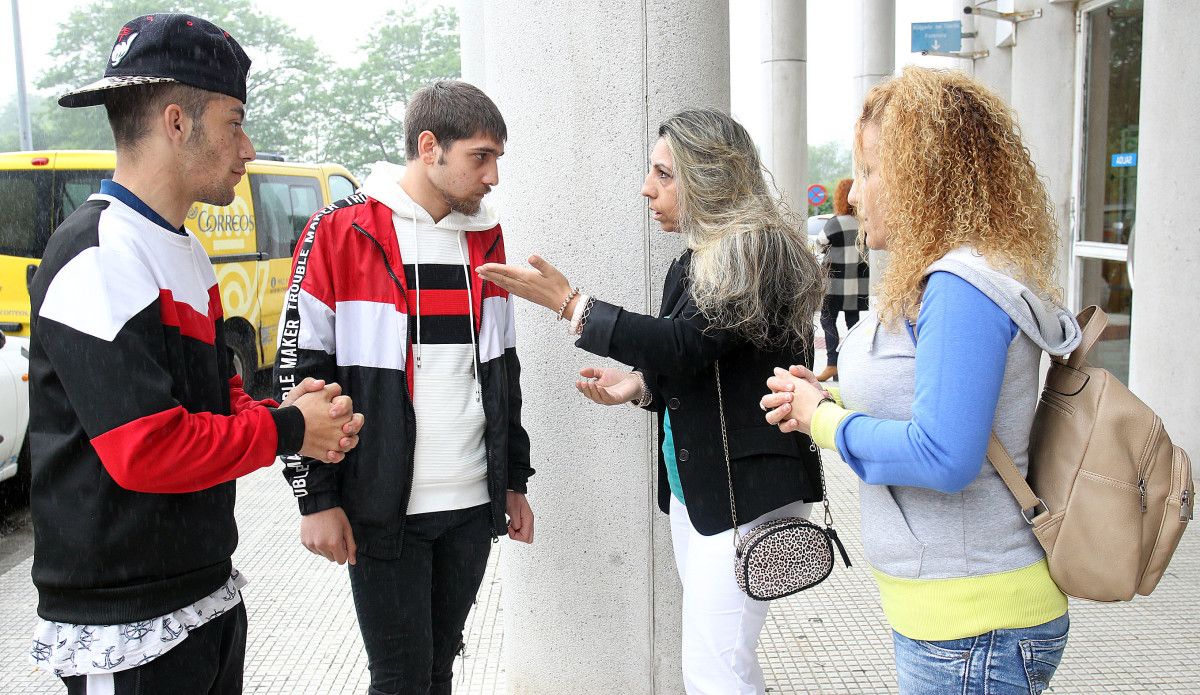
{"points": [[1105, 214]]}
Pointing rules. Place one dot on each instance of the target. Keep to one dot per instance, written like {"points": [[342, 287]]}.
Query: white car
{"points": [[816, 223], [14, 410]]}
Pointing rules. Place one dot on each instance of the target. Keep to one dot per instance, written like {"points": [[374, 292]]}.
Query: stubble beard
{"points": [[465, 206], [201, 155], [216, 194]]}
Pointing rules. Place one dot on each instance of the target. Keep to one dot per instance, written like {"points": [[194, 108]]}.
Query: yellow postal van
{"points": [[250, 241]]}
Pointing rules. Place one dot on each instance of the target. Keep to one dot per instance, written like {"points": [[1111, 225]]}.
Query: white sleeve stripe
{"points": [[316, 324], [371, 334], [497, 331]]}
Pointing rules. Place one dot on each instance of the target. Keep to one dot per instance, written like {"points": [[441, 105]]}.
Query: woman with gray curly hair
{"points": [[739, 300]]}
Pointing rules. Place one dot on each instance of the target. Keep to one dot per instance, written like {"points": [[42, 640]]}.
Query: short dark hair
{"points": [[451, 110], [132, 109]]}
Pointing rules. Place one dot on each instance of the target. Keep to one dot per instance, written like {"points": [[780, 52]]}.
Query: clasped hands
{"points": [[331, 426], [795, 395]]}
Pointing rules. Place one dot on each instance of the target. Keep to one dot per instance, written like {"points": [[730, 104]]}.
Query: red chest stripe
{"points": [[440, 302], [190, 322]]}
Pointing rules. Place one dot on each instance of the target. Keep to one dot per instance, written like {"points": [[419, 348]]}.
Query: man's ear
{"points": [[428, 149], [175, 124]]}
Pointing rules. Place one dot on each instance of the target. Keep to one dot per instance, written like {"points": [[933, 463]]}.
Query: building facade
{"points": [[1106, 92]]}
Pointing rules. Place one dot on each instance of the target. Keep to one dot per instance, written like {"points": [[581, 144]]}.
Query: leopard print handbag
{"points": [[781, 557]]}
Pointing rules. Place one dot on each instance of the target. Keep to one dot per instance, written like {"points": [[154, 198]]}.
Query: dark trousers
{"points": [[411, 611], [208, 662], [829, 312]]}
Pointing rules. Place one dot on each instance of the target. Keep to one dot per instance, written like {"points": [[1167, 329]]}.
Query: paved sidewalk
{"points": [[833, 639]]}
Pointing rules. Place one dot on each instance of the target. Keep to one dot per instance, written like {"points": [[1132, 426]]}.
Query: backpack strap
{"points": [[1092, 321], [1013, 480]]}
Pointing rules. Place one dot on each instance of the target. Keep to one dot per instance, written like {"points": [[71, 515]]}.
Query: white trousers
{"points": [[720, 623]]}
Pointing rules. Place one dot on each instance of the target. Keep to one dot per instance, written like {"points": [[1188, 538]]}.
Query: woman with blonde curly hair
{"points": [[740, 300], [966, 307]]}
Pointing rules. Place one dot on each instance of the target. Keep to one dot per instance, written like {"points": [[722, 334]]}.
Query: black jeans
{"points": [[411, 611], [208, 662], [829, 312]]}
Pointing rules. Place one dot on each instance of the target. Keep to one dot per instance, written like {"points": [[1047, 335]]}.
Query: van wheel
{"points": [[245, 364]]}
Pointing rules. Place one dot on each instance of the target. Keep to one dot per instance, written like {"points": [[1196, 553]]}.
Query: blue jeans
{"points": [[1001, 662]]}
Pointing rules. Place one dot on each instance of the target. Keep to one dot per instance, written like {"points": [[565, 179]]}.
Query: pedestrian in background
{"points": [[743, 295], [966, 308], [849, 274]]}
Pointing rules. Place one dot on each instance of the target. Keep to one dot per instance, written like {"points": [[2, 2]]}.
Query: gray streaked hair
{"points": [[752, 271]]}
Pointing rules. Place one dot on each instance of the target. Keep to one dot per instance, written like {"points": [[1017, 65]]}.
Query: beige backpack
{"points": [[1108, 494]]}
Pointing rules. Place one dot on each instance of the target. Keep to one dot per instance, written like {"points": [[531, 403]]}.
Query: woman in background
{"points": [[849, 274]]}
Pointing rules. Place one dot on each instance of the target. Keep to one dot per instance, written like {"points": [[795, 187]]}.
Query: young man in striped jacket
{"points": [[385, 299], [138, 424]]}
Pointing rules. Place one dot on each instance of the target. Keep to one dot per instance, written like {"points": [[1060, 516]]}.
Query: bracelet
{"points": [[562, 310], [646, 398], [582, 314]]}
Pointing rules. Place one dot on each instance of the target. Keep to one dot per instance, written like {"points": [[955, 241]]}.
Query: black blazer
{"points": [[676, 355]]}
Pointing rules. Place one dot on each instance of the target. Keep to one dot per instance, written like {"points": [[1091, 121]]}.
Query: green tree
{"points": [[10, 133], [299, 104], [828, 163], [365, 121], [281, 77]]}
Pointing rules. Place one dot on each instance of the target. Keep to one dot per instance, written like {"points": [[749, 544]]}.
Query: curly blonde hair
{"points": [[955, 173], [752, 271]]}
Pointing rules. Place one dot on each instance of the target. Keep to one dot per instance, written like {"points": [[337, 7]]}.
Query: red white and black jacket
{"points": [[138, 425], [349, 318]]}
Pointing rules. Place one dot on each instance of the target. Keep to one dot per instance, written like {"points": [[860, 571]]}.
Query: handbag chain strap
{"points": [[812, 446], [725, 442]]}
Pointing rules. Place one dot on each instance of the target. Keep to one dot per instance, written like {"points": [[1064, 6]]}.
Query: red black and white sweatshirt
{"points": [[138, 424], [386, 303]]}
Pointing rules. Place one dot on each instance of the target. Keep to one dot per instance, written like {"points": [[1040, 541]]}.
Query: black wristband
{"points": [[289, 428]]}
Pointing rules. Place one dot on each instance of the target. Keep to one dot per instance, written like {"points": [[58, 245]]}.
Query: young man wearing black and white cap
{"points": [[138, 424]]}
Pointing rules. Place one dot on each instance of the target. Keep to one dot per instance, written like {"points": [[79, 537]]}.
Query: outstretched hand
{"points": [[542, 284], [609, 386]]}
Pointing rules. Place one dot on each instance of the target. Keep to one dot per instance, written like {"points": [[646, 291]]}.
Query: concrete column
{"points": [[785, 101], [1042, 88], [470, 41], [874, 23], [1163, 368], [874, 62], [593, 606]]}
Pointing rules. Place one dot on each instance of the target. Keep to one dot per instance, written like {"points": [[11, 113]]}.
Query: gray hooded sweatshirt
{"points": [[919, 533]]}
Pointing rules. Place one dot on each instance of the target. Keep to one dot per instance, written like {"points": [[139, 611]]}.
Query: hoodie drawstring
{"points": [[462, 254], [470, 313], [417, 265]]}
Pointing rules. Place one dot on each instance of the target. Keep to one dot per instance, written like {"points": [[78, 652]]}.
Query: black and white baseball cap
{"points": [[169, 47]]}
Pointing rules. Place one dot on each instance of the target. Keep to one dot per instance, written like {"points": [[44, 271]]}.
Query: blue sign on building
{"points": [[1124, 159], [937, 36]]}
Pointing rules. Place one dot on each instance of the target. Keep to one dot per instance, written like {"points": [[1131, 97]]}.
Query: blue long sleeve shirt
{"points": [[962, 340]]}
